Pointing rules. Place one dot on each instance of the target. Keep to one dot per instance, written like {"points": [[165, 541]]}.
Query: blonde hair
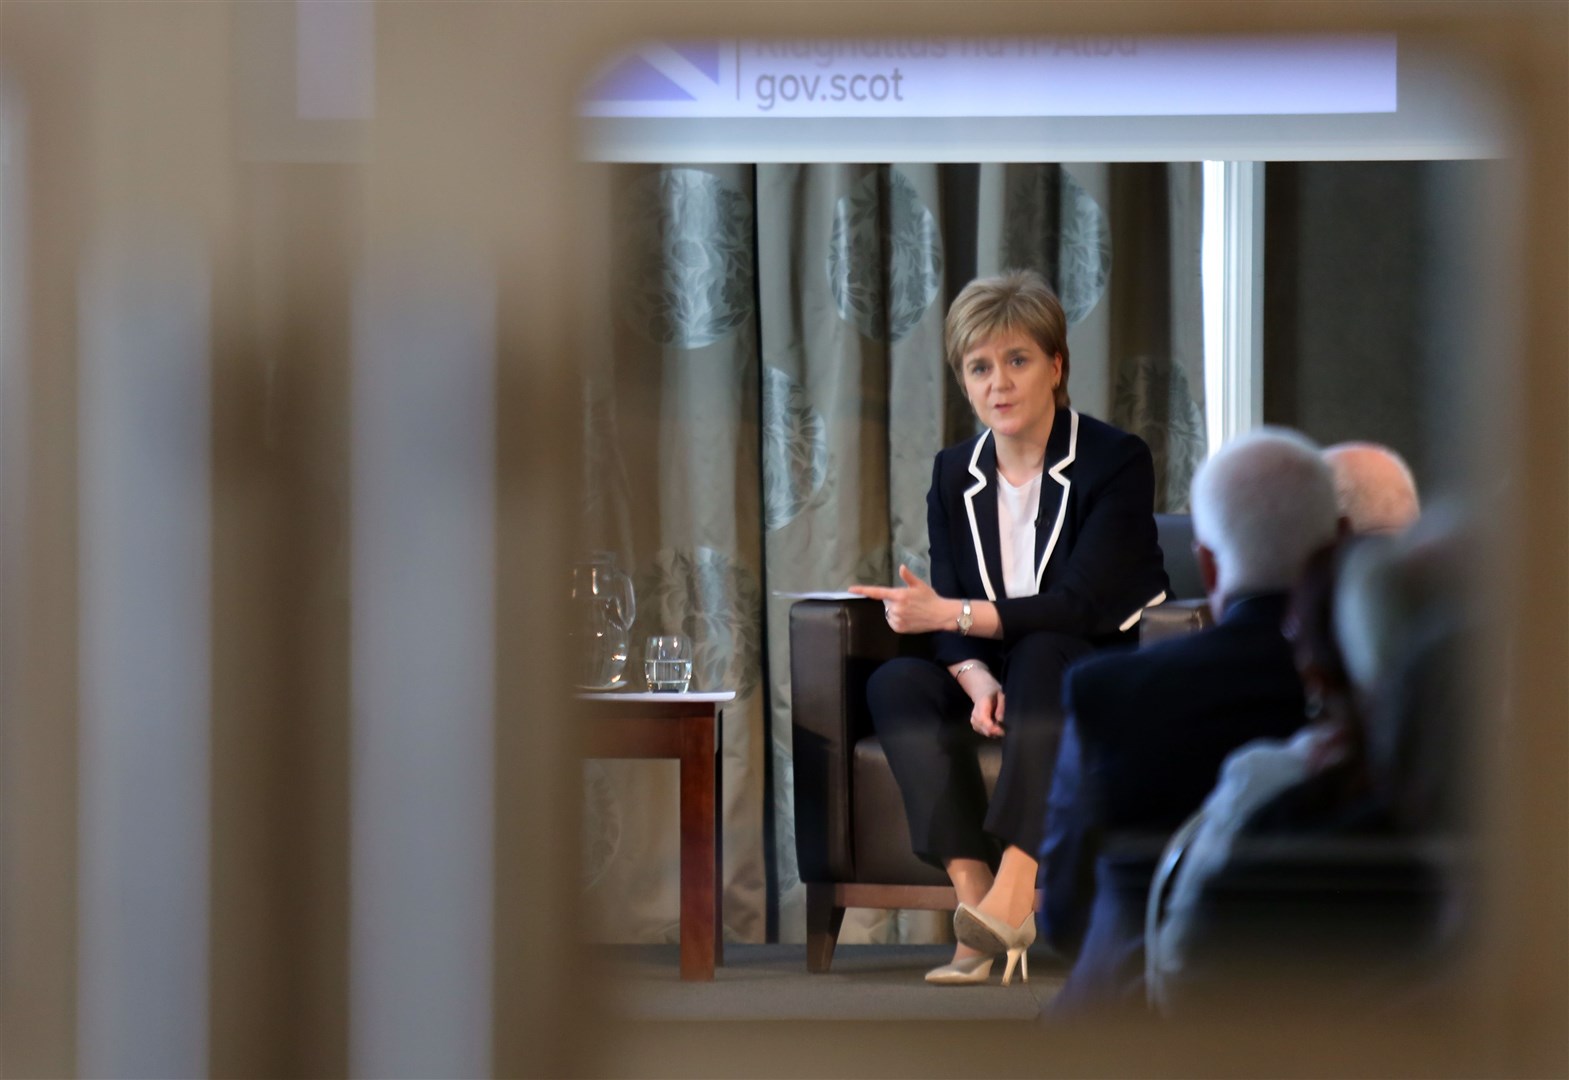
{"points": [[1014, 301]]}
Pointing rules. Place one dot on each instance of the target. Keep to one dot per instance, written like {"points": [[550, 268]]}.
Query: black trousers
{"points": [[922, 717]]}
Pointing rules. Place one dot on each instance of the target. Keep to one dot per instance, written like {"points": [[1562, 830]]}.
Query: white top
{"points": [[1017, 508]]}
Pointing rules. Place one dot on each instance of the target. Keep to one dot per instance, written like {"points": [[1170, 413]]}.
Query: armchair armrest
{"points": [[835, 645], [1173, 619]]}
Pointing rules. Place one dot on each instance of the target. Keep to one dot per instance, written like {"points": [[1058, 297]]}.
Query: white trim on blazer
{"points": [[969, 506], [1055, 472], [1062, 507]]}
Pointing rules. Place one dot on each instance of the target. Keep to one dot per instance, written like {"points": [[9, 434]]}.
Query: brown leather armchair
{"points": [[852, 842]]}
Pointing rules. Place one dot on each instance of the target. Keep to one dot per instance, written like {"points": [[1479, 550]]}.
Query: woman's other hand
{"points": [[914, 609], [986, 697]]}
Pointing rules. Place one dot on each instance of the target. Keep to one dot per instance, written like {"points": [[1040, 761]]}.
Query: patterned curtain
{"points": [[762, 417], [672, 482]]}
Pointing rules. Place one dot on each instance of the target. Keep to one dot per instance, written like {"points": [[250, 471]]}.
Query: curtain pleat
{"points": [[1157, 358]]}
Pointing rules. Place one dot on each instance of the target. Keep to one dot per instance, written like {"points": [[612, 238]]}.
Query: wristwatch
{"points": [[966, 619]]}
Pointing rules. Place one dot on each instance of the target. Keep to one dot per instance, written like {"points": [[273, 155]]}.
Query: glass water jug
{"points": [[602, 610]]}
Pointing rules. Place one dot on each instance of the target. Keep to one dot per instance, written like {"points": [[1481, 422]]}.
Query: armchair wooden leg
{"points": [[823, 920]]}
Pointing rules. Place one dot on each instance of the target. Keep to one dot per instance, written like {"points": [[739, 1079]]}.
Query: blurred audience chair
{"points": [[1364, 897]]}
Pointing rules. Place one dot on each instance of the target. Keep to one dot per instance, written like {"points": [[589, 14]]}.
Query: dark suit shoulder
{"points": [[1103, 433], [951, 470], [1183, 665], [1095, 438], [1220, 643], [1108, 445]]}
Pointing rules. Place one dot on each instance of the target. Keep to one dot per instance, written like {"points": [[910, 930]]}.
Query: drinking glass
{"points": [[667, 663]]}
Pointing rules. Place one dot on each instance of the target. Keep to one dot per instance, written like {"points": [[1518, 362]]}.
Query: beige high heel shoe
{"points": [[968, 972], [985, 934]]}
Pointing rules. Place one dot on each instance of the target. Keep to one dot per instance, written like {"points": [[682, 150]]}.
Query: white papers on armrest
{"points": [[818, 595], [1137, 615]]}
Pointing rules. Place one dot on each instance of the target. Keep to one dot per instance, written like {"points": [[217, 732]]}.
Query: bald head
{"points": [[1373, 487], [1261, 507]]}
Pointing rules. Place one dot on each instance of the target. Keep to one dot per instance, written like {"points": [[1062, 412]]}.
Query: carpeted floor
{"points": [[867, 982]]}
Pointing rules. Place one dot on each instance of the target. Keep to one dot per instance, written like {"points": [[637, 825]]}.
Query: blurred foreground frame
{"points": [[136, 111]]}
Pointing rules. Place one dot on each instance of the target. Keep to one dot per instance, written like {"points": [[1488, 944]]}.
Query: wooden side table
{"points": [[684, 727]]}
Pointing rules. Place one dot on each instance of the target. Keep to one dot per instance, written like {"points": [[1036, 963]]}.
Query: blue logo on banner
{"points": [[660, 71]]}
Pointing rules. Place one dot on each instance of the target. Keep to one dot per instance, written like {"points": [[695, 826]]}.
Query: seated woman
{"points": [[1043, 546]]}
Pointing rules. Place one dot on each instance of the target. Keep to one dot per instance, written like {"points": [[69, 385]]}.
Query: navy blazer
{"points": [[1146, 735], [1098, 562]]}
